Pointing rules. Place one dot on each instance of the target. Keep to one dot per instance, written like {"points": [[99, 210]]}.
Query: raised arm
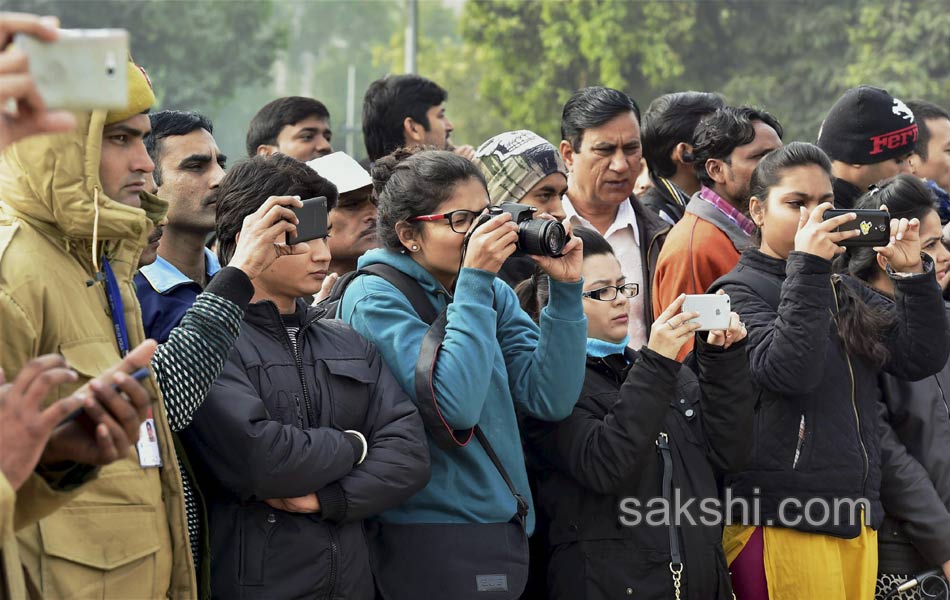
{"points": [[189, 362]]}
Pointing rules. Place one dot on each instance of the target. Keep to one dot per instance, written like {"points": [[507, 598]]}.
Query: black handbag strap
{"points": [[522, 512], [442, 434], [676, 559]]}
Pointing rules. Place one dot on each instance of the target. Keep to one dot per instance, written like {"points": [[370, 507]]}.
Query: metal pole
{"points": [[411, 36], [350, 107]]}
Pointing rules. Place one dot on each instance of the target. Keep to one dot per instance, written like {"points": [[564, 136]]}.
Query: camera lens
{"points": [[541, 237]]}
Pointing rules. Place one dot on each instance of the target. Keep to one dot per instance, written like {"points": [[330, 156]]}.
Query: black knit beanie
{"points": [[866, 126]]}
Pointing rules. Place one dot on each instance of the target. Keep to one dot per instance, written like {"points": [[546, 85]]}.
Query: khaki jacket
{"points": [[11, 576], [125, 534]]}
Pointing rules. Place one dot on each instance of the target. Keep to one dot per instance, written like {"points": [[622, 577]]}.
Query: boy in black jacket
{"points": [[305, 433]]}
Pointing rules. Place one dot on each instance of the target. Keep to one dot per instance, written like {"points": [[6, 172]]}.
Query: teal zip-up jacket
{"points": [[493, 358]]}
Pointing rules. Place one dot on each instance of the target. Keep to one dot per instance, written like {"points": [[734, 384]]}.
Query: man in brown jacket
{"points": [[72, 227]]}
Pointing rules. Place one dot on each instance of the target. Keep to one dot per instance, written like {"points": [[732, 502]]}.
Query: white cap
{"points": [[342, 171]]}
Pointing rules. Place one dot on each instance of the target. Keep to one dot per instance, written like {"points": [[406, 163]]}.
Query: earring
{"points": [[415, 248]]}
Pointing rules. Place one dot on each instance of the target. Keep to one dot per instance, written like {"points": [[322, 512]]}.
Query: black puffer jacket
{"points": [[919, 413], [607, 451], [802, 371], [273, 427]]}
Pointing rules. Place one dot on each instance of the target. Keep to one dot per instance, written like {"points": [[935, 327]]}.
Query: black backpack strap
{"points": [[408, 286], [442, 434], [522, 512]]}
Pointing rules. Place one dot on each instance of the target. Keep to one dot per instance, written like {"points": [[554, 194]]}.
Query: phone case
{"points": [[875, 226], [313, 220], [85, 69], [714, 310]]}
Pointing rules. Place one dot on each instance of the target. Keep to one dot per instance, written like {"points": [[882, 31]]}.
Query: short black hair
{"points": [[671, 119], [251, 182], [277, 114], [925, 111], [168, 123], [592, 107], [720, 133], [388, 102]]}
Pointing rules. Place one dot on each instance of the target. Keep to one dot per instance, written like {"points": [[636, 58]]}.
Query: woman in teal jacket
{"points": [[493, 357]]}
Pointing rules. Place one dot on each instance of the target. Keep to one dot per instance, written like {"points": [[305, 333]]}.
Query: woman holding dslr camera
{"points": [[492, 358], [822, 468]]}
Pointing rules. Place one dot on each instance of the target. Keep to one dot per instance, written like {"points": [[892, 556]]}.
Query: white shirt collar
{"points": [[626, 217]]}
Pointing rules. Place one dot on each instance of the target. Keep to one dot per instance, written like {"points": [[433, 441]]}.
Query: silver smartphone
{"points": [[714, 310], [85, 69]]}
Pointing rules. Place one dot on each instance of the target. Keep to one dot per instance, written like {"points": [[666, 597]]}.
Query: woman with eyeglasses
{"points": [[493, 359], [646, 431]]}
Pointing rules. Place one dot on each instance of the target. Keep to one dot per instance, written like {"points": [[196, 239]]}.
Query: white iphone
{"points": [[85, 69], [714, 310]]}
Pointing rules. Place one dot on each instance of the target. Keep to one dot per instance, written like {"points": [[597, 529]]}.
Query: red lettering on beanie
{"points": [[894, 140]]}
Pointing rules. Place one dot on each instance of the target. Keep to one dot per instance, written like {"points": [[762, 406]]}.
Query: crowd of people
{"points": [[423, 404]]}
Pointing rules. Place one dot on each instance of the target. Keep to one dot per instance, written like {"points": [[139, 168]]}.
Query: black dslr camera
{"points": [[539, 237]]}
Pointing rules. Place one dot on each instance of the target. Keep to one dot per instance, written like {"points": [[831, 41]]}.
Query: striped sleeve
{"points": [[189, 362]]}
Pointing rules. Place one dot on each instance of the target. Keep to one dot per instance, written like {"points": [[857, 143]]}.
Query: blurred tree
{"points": [[459, 67], [327, 38], [198, 53], [794, 57]]}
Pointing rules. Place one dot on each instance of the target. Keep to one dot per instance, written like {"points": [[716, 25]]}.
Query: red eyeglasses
{"points": [[459, 220]]}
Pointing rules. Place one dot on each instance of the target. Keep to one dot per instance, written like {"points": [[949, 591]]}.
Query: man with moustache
{"points": [[352, 221], [600, 145], [705, 244], [188, 168]]}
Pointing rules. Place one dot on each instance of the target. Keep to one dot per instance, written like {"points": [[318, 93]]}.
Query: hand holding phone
{"points": [[28, 115], [83, 69], [311, 220], [714, 311], [114, 406], [873, 225], [819, 236]]}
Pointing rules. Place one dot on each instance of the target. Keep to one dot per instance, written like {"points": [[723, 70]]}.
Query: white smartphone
{"points": [[714, 310], [85, 69]]}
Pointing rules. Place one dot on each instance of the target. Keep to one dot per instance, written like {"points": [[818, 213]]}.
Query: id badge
{"points": [[147, 446]]}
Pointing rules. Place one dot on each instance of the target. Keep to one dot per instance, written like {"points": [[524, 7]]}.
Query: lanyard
{"points": [[116, 308]]}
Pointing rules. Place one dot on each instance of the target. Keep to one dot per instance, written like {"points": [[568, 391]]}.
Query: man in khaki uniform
{"points": [[72, 227]]}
